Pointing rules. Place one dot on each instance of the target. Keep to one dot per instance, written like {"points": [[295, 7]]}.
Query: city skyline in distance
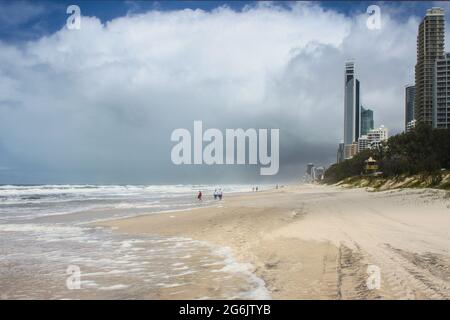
{"points": [[283, 87]]}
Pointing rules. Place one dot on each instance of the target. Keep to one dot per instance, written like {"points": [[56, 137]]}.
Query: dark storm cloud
{"points": [[99, 104]]}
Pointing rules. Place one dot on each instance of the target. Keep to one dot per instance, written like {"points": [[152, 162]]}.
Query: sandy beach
{"points": [[323, 242]]}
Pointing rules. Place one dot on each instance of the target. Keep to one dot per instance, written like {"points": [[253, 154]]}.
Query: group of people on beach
{"points": [[217, 194]]}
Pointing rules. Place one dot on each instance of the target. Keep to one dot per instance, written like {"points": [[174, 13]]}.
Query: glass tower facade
{"points": [[366, 121]]}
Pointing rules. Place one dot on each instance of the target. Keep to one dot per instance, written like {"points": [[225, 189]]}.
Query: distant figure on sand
{"points": [[215, 194], [199, 197], [220, 194], [256, 188]]}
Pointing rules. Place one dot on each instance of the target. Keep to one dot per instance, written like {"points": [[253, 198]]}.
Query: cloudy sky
{"points": [[98, 105]]}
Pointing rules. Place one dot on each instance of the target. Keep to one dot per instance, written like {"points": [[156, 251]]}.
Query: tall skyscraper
{"points": [[351, 109], [340, 153], [410, 92], [366, 120], [430, 45], [441, 101]]}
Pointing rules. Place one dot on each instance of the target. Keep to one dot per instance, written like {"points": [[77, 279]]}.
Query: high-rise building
{"points": [[363, 143], [410, 92], [350, 150], [379, 134], [309, 168], [373, 138], [366, 121], [340, 153], [430, 45], [317, 173], [411, 125], [441, 96], [351, 108]]}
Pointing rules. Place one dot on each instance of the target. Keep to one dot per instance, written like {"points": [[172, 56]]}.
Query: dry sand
{"points": [[317, 242]]}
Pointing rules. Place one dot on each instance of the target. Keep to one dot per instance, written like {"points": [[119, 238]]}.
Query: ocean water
{"points": [[50, 250]]}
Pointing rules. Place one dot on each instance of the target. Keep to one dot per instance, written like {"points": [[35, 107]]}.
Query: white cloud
{"points": [[104, 99]]}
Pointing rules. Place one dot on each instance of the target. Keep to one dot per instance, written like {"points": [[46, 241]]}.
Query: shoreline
{"points": [[316, 242]]}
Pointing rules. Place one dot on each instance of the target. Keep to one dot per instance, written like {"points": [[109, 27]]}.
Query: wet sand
{"points": [[321, 242]]}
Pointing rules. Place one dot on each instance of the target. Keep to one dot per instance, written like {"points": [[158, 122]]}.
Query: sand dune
{"points": [[321, 242]]}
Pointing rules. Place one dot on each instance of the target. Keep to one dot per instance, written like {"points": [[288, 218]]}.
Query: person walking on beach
{"points": [[199, 197], [220, 194], [215, 194]]}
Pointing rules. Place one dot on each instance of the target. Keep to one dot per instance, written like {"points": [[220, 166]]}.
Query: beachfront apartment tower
{"points": [[373, 138], [410, 92], [441, 94], [351, 109], [379, 134], [366, 121], [430, 45], [363, 143]]}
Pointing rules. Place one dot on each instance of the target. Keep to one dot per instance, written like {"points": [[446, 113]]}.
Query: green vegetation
{"points": [[379, 183], [419, 158]]}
